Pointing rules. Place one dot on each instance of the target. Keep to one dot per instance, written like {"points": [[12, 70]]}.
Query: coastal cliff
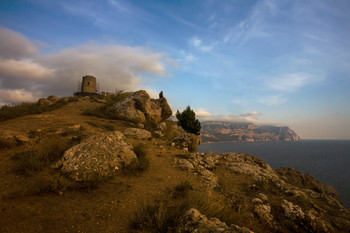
{"points": [[218, 131]]}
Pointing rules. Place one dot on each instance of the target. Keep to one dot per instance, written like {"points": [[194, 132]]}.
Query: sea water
{"points": [[326, 160]]}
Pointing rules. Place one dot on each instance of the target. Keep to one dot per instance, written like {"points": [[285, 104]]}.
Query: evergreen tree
{"points": [[187, 120]]}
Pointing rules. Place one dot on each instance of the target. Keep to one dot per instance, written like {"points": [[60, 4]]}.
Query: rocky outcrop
{"points": [[185, 140], [217, 131], [194, 221], [140, 108], [97, 157], [307, 204], [136, 133]]}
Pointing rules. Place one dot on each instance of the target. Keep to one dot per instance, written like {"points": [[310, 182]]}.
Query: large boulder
{"points": [[140, 108], [163, 104], [126, 110], [98, 156]]}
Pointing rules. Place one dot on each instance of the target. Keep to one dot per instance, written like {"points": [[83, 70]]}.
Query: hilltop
{"points": [[57, 176], [220, 131]]}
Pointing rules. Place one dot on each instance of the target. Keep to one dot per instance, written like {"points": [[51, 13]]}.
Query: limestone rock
{"points": [[257, 201], [9, 138], [44, 102], [263, 197], [166, 110], [264, 213], [292, 211], [98, 156], [126, 110], [136, 133], [184, 139], [52, 98], [161, 126], [194, 221], [158, 134], [140, 108]]}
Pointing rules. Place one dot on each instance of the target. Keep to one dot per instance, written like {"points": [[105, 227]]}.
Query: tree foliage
{"points": [[187, 120]]}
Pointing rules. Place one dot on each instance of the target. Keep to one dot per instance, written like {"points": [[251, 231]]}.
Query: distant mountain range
{"points": [[219, 131]]}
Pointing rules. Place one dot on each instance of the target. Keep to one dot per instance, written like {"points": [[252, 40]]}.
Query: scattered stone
{"points": [[257, 201], [263, 197], [194, 221], [98, 156], [162, 126], [184, 164], [102, 101], [136, 133], [139, 125], [291, 211], [264, 213], [9, 138], [158, 134]]}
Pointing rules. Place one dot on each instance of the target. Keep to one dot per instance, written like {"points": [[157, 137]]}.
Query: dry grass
{"points": [[8, 112], [43, 154], [142, 162], [105, 111], [164, 215]]}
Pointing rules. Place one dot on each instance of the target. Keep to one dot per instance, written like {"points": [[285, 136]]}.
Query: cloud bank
{"points": [[26, 74]]}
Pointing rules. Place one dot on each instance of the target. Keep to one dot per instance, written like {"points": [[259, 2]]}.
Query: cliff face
{"points": [[218, 131]]}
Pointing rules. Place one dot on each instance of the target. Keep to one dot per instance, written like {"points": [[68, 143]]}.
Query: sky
{"points": [[270, 62]]}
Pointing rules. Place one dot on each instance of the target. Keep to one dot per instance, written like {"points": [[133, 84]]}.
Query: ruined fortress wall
{"points": [[88, 84]]}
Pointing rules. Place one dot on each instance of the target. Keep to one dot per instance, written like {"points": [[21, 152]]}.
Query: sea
{"points": [[326, 160]]}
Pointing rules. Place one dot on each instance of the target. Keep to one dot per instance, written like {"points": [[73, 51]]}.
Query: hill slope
{"points": [[237, 189], [218, 131]]}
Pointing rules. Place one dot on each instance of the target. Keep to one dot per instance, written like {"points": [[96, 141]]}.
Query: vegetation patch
{"points": [[142, 162], [8, 112], [164, 215], [45, 153], [105, 111]]}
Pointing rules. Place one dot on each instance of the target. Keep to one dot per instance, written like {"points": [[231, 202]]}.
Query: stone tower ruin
{"points": [[88, 84]]}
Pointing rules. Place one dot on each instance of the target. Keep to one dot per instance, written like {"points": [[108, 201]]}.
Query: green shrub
{"points": [[187, 120]]}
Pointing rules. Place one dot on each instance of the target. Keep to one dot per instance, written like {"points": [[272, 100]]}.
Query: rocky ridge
{"points": [[318, 199], [217, 131]]}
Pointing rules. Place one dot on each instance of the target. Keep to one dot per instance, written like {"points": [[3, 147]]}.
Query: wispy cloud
{"points": [[199, 45], [272, 100], [291, 82]]}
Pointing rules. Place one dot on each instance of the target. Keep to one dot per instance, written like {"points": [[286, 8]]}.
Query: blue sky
{"points": [[282, 62]]}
